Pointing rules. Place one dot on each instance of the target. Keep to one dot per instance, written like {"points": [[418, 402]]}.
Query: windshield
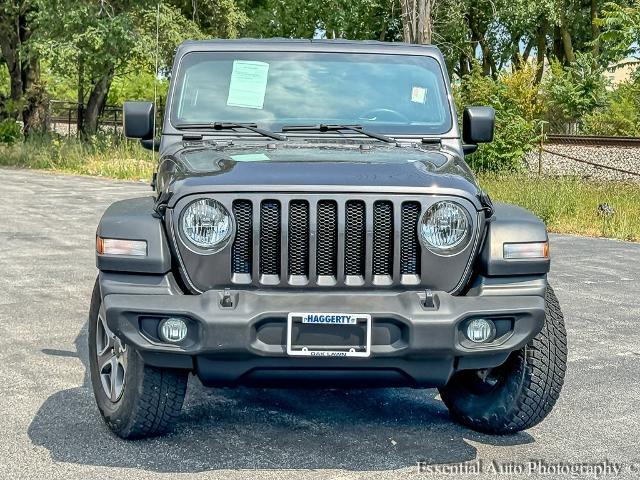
{"points": [[385, 93]]}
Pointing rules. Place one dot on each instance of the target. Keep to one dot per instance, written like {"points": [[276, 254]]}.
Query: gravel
{"points": [[624, 158]]}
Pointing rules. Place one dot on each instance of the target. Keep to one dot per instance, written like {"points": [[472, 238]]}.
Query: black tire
{"points": [[520, 393], [151, 398]]}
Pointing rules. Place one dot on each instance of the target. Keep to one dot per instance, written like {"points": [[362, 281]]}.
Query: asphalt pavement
{"points": [[51, 428]]}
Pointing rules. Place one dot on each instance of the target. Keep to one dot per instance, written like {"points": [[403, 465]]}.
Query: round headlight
{"points": [[206, 223], [445, 228]]}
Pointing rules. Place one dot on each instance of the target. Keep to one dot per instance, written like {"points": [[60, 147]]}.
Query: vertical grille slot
{"points": [[354, 238], [242, 249], [270, 237], [327, 238], [409, 246], [299, 238], [383, 238]]}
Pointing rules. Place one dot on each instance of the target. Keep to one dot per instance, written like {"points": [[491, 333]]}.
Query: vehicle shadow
{"points": [[265, 429]]}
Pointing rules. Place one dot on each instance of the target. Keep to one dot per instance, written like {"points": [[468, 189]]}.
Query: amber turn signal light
{"points": [[524, 251], [115, 246]]}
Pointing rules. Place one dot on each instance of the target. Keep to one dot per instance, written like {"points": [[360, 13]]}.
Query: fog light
{"points": [[480, 330], [173, 330]]}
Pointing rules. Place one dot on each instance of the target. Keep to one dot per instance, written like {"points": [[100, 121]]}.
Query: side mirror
{"points": [[138, 120], [151, 144], [478, 124]]}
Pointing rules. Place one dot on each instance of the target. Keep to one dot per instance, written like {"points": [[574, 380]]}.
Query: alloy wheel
{"points": [[112, 360]]}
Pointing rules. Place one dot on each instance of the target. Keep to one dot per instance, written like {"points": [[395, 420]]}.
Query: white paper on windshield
{"points": [[419, 95], [248, 84]]}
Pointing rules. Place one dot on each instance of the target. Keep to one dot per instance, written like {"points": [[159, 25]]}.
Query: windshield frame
{"points": [[297, 46]]}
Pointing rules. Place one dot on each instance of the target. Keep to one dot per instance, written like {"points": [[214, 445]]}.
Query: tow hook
{"points": [[429, 300], [227, 301]]}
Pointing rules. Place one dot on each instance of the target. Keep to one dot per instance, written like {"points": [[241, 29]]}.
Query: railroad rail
{"points": [[596, 141]]}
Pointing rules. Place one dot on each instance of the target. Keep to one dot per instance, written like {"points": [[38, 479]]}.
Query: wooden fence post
{"points": [[541, 148]]}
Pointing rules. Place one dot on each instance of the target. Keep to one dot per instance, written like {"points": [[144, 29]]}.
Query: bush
{"points": [[571, 92], [620, 117], [514, 95], [10, 132]]}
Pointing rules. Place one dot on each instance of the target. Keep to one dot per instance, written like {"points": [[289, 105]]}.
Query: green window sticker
{"points": [[248, 84]]}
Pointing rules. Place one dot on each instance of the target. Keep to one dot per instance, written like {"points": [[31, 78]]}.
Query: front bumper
{"points": [[412, 345]]}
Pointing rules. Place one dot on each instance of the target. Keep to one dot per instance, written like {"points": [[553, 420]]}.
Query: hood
{"points": [[205, 168]]}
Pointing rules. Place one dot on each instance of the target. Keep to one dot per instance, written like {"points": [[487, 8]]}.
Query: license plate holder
{"points": [[311, 334]]}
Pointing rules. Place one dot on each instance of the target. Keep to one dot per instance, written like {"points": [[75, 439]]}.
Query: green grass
{"points": [[570, 205], [102, 156], [567, 205]]}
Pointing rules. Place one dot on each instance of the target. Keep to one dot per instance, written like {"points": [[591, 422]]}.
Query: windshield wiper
{"points": [[232, 126], [334, 128]]}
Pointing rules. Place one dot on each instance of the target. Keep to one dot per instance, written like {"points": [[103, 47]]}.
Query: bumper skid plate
{"points": [[395, 340]]}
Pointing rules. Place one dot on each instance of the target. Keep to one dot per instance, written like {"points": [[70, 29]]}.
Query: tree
{"points": [[361, 19], [621, 29], [17, 26], [352, 19], [91, 40], [565, 34], [508, 33], [281, 18], [214, 18], [96, 40], [417, 20], [467, 30], [573, 91]]}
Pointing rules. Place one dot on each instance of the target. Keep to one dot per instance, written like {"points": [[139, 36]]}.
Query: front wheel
{"points": [[520, 393], [135, 400]]}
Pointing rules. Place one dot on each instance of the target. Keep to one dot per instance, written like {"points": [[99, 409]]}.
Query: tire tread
{"points": [[160, 399]]}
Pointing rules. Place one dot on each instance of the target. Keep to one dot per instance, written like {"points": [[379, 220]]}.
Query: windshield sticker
{"points": [[419, 95], [248, 84], [250, 157]]}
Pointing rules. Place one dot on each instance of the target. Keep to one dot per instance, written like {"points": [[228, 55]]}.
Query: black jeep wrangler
{"points": [[315, 224]]}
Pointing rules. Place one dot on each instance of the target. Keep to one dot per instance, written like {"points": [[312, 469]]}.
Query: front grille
{"points": [[299, 238], [270, 238], [327, 233], [409, 246], [326, 242], [242, 250], [354, 238], [382, 238]]}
